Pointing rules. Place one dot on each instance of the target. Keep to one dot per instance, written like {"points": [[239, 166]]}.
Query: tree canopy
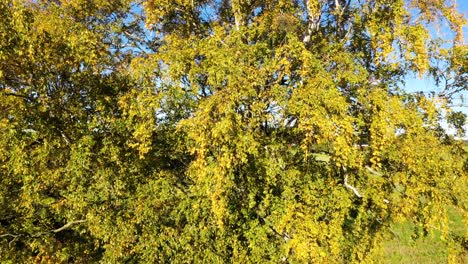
{"points": [[244, 131]]}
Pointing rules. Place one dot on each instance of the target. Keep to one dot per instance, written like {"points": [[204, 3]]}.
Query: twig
{"points": [[347, 185], [356, 192], [68, 225], [284, 235], [15, 237], [8, 234], [373, 171]]}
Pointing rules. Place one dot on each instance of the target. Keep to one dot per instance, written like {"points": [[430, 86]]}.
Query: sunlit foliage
{"points": [[244, 131]]}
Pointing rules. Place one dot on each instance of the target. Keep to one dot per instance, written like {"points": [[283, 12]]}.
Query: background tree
{"points": [[223, 131]]}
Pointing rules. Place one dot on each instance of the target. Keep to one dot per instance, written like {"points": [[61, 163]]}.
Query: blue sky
{"points": [[414, 84]]}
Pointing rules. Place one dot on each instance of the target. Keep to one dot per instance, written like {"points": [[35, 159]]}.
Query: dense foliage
{"points": [[245, 131]]}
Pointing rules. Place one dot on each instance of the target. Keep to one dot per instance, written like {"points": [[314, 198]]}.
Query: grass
{"points": [[431, 249], [403, 249]]}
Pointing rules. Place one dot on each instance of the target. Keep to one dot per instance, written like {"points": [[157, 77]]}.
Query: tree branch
{"points": [[356, 192], [15, 237], [67, 225], [16, 95], [11, 235], [313, 20], [373, 171], [285, 236]]}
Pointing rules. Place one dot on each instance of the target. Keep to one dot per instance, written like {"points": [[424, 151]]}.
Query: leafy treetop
{"points": [[224, 131]]}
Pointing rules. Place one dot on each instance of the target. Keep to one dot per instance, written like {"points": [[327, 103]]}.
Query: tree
{"points": [[223, 131]]}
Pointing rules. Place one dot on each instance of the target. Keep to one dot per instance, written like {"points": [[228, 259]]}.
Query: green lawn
{"points": [[403, 249]]}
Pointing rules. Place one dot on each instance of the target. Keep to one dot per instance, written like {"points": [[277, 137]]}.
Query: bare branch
{"points": [[356, 192], [16, 95], [283, 235], [15, 237], [313, 20], [67, 225], [11, 235], [65, 137], [369, 169]]}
